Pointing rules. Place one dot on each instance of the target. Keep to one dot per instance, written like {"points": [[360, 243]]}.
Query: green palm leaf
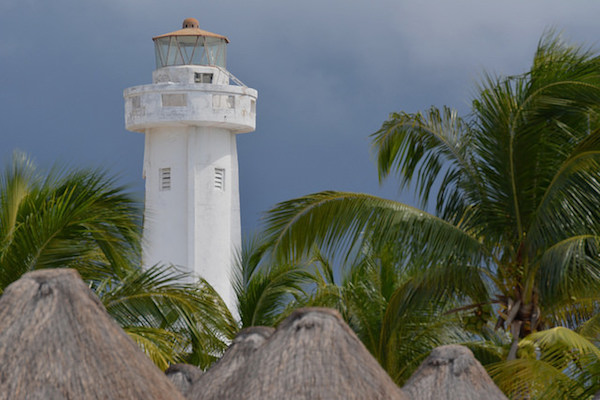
{"points": [[332, 220], [264, 287]]}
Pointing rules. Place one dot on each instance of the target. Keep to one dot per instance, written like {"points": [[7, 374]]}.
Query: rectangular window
{"points": [[223, 101], [174, 100], [230, 101], [253, 106], [136, 102], [201, 77], [164, 178], [220, 179]]}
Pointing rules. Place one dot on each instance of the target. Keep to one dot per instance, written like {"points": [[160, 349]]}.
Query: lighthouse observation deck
{"points": [[191, 95]]}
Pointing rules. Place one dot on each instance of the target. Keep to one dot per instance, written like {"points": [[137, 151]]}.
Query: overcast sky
{"points": [[328, 73]]}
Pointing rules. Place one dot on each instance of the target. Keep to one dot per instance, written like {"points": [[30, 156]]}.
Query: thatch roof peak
{"points": [[57, 341], [309, 317], [183, 376], [458, 358], [452, 372], [254, 334], [224, 375], [313, 354]]}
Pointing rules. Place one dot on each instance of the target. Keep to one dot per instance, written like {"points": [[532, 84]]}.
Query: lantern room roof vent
{"points": [[190, 23]]}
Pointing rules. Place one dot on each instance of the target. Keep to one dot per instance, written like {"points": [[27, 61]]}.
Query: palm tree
{"points": [[398, 317], [81, 219], [515, 185]]}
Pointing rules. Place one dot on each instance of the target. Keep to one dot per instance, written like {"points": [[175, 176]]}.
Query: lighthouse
{"points": [[190, 116]]}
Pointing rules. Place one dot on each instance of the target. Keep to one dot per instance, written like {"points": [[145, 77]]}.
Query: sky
{"points": [[328, 74]]}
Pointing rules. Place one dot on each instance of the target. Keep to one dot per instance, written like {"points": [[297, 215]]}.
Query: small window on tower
{"points": [[136, 102], [230, 101], [221, 101], [220, 179], [164, 178], [174, 100], [200, 77]]}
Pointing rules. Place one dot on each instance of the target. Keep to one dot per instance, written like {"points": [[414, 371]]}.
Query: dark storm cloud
{"points": [[328, 73]]}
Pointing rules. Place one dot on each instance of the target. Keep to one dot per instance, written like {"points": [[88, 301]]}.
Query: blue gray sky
{"points": [[328, 74]]}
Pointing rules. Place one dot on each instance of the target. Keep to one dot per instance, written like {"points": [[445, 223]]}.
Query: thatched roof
{"points": [[452, 372], [58, 342], [182, 376], [312, 355], [219, 380]]}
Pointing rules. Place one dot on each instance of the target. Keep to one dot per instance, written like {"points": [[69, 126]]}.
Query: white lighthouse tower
{"points": [[190, 115]]}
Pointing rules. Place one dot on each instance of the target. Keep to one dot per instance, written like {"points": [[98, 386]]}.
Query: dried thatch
{"points": [[58, 342], [218, 381], [182, 376], [449, 373], [312, 355]]}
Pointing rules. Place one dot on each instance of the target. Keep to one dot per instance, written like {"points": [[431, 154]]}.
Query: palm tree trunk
{"points": [[515, 329]]}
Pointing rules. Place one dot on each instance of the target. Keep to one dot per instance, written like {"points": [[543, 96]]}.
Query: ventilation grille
{"points": [[220, 179], [164, 177]]}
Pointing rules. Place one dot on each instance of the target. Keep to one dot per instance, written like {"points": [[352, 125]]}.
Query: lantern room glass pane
{"points": [[215, 51], [199, 57], [188, 46], [185, 50], [174, 56], [161, 49]]}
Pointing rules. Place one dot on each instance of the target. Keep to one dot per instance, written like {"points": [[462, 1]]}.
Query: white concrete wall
{"points": [[166, 212], [194, 225], [215, 232], [190, 128]]}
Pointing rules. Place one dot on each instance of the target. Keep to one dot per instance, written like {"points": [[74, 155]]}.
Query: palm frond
{"points": [[527, 378], [61, 221], [557, 363], [332, 220], [157, 300], [425, 144], [264, 287], [570, 269], [162, 346]]}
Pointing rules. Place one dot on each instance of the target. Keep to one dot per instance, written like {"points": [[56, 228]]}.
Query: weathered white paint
{"points": [[190, 128]]}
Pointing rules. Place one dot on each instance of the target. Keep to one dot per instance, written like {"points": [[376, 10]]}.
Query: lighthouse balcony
{"points": [[199, 104]]}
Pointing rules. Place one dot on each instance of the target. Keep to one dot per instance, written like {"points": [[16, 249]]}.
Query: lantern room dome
{"points": [[190, 46]]}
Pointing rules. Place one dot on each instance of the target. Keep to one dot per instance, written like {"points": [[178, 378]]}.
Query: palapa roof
{"points": [[452, 373], [313, 354], [58, 342], [219, 380], [182, 376]]}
